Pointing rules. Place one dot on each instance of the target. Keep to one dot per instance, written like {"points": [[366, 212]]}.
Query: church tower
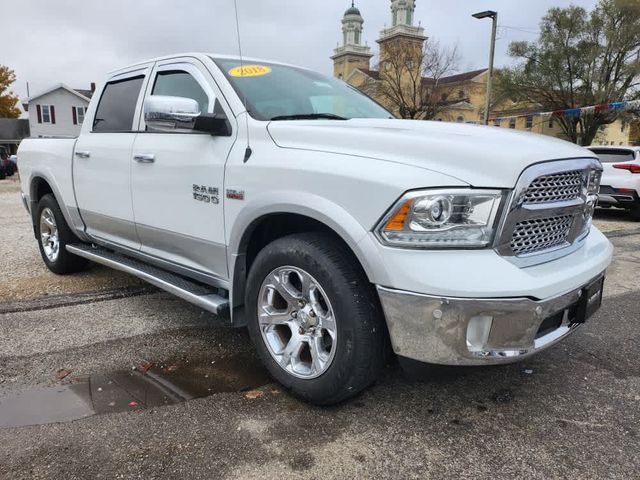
{"points": [[402, 33], [351, 54]]}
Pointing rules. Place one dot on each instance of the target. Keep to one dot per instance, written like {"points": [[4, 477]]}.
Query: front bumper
{"points": [[463, 331]]}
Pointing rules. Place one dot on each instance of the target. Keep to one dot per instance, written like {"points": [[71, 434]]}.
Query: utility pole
{"points": [[494, 17]]}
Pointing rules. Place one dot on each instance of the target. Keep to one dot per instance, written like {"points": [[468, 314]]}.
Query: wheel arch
{"points": [[250, 235], [41, 185]]}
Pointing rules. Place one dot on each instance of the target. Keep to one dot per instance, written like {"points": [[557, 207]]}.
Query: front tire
{"points": [[54, 235], [315, 319]]}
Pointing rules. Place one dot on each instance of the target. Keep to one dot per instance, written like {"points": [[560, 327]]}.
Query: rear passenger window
{"points": [[117, 106], [177, 83]]}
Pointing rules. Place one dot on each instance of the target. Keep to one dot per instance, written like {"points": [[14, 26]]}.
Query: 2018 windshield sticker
{"points": [[250, 71]]}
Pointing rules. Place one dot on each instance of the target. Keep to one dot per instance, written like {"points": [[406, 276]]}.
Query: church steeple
{"points": [[402, 12], [402, 29], [351, 54]]}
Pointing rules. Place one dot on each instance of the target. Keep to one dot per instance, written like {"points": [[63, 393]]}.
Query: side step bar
{"points": [[195, 293]]}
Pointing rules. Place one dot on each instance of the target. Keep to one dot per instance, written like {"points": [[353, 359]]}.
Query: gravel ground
{"points": [[570, 412], [25, 275]]}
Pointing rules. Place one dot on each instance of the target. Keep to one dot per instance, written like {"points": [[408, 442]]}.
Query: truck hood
{"points": [[477, 155]]}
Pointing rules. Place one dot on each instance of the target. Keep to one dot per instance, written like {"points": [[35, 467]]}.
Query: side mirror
{"points": [[182, 115]]}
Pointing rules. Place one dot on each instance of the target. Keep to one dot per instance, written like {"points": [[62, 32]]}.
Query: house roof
{"points": [[460, 77], [83, 94], [13, 129]]}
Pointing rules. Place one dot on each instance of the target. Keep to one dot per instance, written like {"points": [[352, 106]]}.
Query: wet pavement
{"points": [[126, 382], [152, 384]]}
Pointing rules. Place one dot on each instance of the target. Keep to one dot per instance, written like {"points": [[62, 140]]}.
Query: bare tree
{"points": [[409, 78]]}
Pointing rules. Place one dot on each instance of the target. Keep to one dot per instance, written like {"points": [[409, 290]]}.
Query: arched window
{"points": [[460, 119], [460, 94]]}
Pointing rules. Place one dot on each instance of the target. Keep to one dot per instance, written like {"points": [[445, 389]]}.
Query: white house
{"points": [[58, 111]]}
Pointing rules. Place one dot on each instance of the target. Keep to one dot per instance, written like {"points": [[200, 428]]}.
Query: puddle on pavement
{"points": [[149, 385]]}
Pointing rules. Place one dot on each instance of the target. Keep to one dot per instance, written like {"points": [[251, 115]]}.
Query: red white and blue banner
{"points": [[579, 112]]}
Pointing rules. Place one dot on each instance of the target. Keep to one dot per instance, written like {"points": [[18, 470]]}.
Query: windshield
{"points": [[273, 91]]}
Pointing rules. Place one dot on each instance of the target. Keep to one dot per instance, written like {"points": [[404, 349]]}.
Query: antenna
{"points": [[248, 151]]}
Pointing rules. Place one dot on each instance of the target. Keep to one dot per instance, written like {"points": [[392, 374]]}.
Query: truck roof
{"points": [[201, 56]]}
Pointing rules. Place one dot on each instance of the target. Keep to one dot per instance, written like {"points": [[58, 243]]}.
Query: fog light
{"points": [[478, 332]]}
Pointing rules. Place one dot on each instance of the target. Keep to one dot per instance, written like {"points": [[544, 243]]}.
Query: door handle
{"points": [[145, 158], [83, 154]]}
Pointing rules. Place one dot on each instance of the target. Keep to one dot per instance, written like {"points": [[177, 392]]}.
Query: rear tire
{"points": [[315, 319], [635, 213], [54, 235]]}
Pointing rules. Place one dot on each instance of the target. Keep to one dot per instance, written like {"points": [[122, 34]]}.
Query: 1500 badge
{"points": [[205, 194]]}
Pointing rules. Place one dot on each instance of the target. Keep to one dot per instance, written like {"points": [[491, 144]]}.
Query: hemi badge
{"points": [[235, 194]]}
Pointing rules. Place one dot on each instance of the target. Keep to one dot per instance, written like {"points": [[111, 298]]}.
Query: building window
{"points": [[551, 122], [497, 122], [461, 94], [529, 123], [46, 113], [512, 123], [460, 119], [357, 38], [78, 115]]}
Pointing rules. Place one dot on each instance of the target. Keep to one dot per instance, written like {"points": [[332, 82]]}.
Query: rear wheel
{"points": [[635, 212], [53, 237], [315, 318]]}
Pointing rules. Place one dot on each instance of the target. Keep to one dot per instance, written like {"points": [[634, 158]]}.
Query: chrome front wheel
{"points": [[49, 235], [297, 322]]}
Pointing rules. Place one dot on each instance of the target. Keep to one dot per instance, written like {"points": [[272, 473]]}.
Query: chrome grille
{"points": [[532, 236], [549, 212], [558, 187]]}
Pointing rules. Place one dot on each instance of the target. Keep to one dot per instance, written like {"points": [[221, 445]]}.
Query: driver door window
{"points": [[178, 83]]}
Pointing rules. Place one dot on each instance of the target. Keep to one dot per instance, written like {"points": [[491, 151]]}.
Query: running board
{"points": [[195, 293]]}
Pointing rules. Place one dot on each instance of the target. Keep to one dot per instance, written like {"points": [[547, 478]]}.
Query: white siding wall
{"points": [[62, 100]]}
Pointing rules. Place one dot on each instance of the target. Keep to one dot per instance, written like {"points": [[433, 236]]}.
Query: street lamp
{"points": [[494, 16]]}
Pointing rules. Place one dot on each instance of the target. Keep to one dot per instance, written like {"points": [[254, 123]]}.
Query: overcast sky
{"points": [[77, 41]]}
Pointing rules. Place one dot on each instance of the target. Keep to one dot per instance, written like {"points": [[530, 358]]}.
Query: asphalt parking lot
{"points": [[571, 412]]}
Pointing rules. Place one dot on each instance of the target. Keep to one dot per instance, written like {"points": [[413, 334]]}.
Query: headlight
{"points": [[593, 186], [442, 219]]}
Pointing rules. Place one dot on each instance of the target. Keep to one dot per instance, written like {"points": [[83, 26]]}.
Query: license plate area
{"points": [[589, 302]]}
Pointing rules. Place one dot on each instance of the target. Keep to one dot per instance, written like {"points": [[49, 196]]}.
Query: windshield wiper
{"points": [[309, 116]]}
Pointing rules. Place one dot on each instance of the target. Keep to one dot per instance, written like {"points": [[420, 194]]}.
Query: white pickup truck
{"points": [[327, 227]]}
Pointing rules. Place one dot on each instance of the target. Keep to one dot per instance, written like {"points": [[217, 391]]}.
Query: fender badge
{"points": [[235, 194]]}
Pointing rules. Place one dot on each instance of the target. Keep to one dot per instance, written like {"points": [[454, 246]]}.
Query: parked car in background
{"points": [[620, 186], [6, 165], [14, 161]]}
